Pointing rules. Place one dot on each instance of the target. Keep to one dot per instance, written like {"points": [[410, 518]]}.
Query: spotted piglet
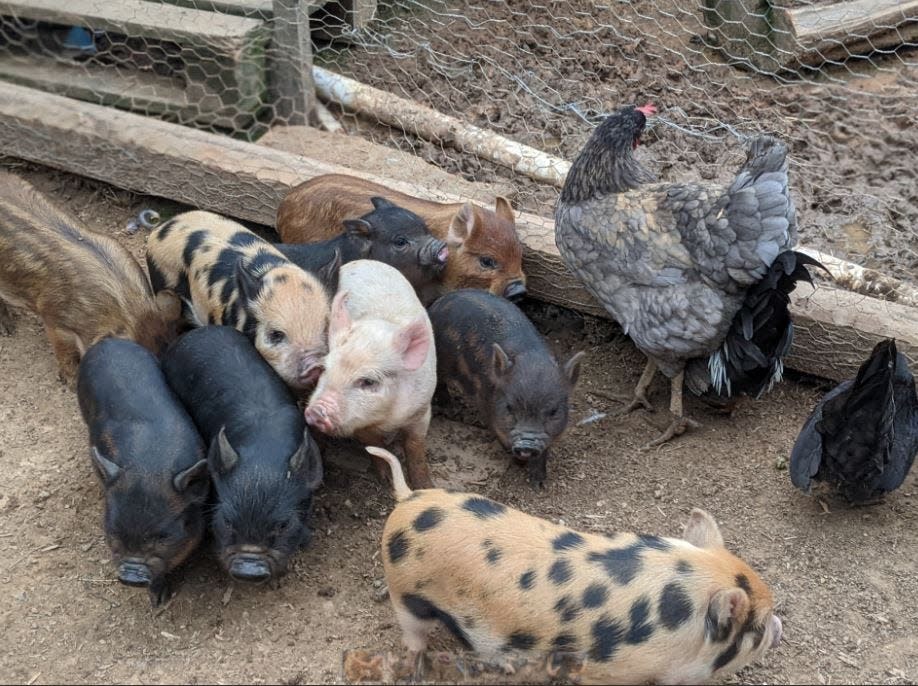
{"points": [[637, 608], [228, 275]]}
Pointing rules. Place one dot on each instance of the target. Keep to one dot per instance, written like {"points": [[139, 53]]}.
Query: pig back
{"points": [[378, 291], [130, 409], [223, 381]]}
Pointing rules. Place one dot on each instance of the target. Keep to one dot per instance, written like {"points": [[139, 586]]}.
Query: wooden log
{"points": [[774, 39], [222, 53], [254, 9], [291, 87], [835, 329]]}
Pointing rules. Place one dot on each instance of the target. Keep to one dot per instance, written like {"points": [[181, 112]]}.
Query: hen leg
{"points": [[680, 423], [639, 399]]}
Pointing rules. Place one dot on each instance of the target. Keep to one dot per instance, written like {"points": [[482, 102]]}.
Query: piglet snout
{"points": [[134, 574], [253, 569], [443, 255], [515, 290], [320, 415]]}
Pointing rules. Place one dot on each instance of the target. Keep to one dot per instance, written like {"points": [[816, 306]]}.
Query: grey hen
{"points": [[698, 275], [863, 436]]}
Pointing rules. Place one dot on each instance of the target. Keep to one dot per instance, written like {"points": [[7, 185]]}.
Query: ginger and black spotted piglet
{"points": [[228, 275], [637, 608]]}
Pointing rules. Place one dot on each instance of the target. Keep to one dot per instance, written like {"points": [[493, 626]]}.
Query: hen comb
{"points": [[647, 110]]}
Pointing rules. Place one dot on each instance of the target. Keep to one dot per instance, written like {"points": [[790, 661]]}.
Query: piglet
{"points": [[490, 356], [150, 459], [484, 250], [641, 609], [380, 371], [265, 465], [83, 285]]}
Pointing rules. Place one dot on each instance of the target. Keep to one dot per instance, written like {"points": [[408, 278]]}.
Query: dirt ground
{"points": [[535, 71], [844, 580]]}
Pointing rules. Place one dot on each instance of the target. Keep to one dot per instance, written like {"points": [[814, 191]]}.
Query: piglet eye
{"points": [[400, 242], [367, 383], [487, 262], [276, 337]]}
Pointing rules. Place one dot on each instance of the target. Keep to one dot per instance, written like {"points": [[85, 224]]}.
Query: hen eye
{"points": [[276, 337], [400, 242], [487, 262], [367, 383]]}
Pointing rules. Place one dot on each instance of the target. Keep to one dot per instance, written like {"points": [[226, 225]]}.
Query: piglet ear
{"points": [[195, 474], [501, 364], [462, 227], [380, 203], [249, 283], [572, 368], [340, 317], [727, 609], [328, 273], [107, 469], [701, 530], [503, 209], [222, 456], [413, 343], [359, 228], [306, 463]]}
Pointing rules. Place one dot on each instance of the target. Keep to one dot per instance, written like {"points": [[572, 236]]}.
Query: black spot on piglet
{"points": [[193, 243], [428, 519], [607, 634], [675, 606], [640, 629], [240, 239], [165, 229], [560, 572], [567, 541], [567, 609], [527, 579], [398, 546], [564, 643], [483, 508], [743, 582], [423, 609], [520, 640], [595, 595]]}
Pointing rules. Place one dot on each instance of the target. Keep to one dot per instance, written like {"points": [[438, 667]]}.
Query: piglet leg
{"points": [[66, 352], [7, 325], [415, 447]]}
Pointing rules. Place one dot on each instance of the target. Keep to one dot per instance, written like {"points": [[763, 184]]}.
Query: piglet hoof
{"points": [[7, 325], [677, 427], [381, 594], [160, 596]]}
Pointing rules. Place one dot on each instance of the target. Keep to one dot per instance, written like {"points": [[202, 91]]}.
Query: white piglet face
{"points": [[366, 369]]}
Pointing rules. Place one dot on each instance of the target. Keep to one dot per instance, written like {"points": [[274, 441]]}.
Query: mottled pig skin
{"points": [[380, 371], [640, 609], [84, 286], [395, 236], [484, 250], [490, 357], [150, 459], [228, 275], [264, 463]]}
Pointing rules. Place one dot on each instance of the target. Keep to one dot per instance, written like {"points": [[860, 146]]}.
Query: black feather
{"points": [[762, 331]]}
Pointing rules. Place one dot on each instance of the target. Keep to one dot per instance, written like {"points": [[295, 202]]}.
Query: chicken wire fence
{"points": [[836, 80]]}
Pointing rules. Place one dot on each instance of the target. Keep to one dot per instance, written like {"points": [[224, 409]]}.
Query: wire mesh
{"points": [[836, 80]]}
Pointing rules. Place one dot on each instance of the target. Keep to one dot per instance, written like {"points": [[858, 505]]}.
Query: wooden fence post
{"points": [[292, 89]]}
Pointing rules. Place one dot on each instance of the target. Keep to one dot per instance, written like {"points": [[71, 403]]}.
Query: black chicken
{"points": [[698, 275], [863, 436]]}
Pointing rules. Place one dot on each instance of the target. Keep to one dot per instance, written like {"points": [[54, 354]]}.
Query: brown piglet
{"points": [[83, 285], [485, 251]]}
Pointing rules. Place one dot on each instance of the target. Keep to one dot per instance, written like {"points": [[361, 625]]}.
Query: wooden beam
{"points": [[836, 330], [774, 38], [290, 67], [254, 9], [222, 53]]}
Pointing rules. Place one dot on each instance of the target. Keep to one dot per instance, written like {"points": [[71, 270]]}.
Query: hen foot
{"points": [[677, 427]]}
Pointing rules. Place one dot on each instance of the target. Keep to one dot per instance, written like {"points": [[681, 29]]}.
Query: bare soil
{"points": [[844, 578]]}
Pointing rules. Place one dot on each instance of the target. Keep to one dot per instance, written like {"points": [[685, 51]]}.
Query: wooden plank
{"points": [[292, 90], [224, 53], [131, 89], [815, 34], [835, 329], [254, 9], [774, 38]]}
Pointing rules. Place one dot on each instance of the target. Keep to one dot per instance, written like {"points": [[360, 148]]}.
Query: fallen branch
{"points": [[441, 128], [836, 329]]}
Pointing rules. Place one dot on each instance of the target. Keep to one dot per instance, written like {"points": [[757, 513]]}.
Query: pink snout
{"points": [[322, 414], [310, 370], [443, 255]]}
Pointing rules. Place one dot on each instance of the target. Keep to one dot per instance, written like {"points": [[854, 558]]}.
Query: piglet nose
{"points": [[515, 290], [443, 255], [315, 414]]}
